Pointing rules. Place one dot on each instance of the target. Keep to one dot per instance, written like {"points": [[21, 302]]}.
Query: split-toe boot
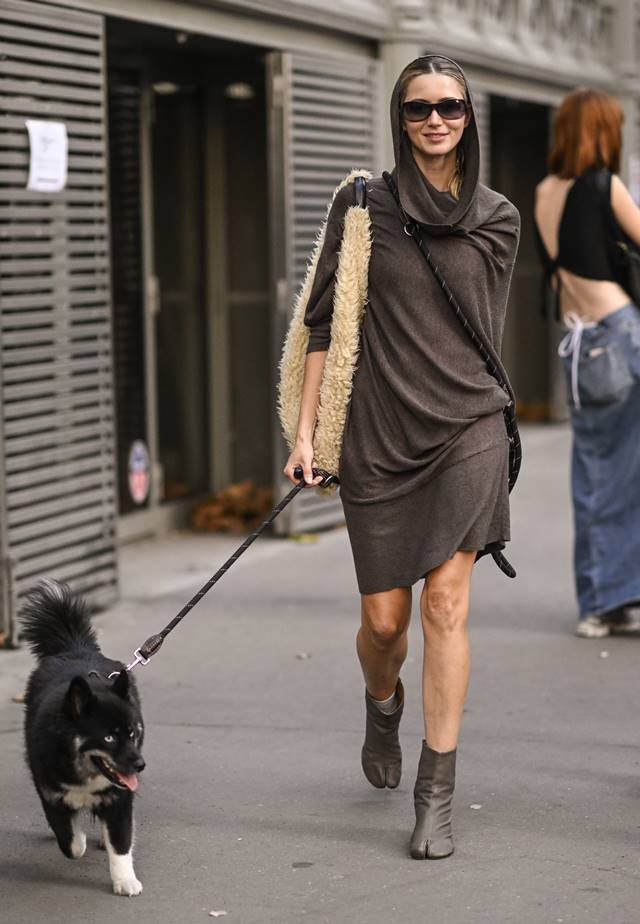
{"points": [[432, 838], [381, 753]]}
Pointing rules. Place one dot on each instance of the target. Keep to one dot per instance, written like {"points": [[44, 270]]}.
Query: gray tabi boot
{"points": [[381, 754], [432, 795]]}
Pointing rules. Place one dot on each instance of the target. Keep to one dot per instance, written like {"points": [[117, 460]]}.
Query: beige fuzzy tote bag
{"points": [[349, 302]]}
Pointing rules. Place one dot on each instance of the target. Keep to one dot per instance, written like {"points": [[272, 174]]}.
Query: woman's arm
{"points": [[625, 210], [302, 452], [318, 315]]}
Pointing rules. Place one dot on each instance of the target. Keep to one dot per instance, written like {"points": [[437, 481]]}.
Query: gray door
{"points": [[324, 122], [57, 484]]}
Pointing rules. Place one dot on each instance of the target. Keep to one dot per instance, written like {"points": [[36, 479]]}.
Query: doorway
{"points": [[190, 269], [519, 145], [179, 253]]}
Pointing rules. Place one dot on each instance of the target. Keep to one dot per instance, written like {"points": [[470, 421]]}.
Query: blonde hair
{"points": [[437, 64]]}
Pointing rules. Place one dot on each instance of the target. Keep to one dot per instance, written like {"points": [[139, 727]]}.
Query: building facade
{"points": [[143, 305]]}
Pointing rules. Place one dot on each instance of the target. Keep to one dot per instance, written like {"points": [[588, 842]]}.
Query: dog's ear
{"points": [[121, 684], [79, 698]]}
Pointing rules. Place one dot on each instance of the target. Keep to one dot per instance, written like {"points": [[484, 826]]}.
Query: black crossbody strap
{"points": [[412, 229]]}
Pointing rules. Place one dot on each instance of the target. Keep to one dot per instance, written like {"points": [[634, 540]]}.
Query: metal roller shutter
{"points": [[482, 108], [58, 490], [325, 122]]}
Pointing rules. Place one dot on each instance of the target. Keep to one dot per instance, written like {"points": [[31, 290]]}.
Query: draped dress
{"points": [[424, 467]]}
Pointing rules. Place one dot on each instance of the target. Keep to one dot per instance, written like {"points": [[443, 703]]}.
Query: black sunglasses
{"points": [[417, 110]]}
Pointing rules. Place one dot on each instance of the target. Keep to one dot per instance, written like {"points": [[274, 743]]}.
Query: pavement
{"points": [[253, 802]]}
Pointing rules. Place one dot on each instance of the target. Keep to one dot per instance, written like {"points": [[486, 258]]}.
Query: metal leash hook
{"points": [[146, 651], [139, 658]]}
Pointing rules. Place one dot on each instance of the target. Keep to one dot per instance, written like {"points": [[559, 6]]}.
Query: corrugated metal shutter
{"points": [[482, 109], [327, 113], [57, 450]]}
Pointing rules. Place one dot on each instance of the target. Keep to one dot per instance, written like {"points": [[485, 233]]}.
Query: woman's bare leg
{"points": [[382, 639], [382, 648], [444, 605]]}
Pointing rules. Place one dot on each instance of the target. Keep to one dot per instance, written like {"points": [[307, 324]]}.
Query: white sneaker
{"points": [[593, 627], [628, 621]]}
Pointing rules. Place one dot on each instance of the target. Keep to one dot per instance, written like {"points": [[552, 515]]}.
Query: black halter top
{"points": [[583, 235]]}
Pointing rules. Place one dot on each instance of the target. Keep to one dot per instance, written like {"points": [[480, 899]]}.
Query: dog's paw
{"points": [[127, 886], [78, 845]]}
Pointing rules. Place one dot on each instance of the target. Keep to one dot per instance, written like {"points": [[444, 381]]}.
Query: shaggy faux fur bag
{"points": [[349, 302]]}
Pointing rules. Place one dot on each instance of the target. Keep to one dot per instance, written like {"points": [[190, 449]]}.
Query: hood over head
{"points": [[438, 212]]}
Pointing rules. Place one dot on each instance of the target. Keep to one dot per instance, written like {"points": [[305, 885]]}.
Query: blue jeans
{"points": [[604, 391]]}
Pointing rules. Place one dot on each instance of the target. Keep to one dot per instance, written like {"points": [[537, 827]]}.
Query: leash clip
{"points": [[139, 658]]}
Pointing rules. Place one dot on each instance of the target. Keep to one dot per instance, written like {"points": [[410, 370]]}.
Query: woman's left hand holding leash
{"points": [[302, 456]]}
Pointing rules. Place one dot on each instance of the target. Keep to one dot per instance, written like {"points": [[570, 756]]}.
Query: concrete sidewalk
{"points": [[253, 801]]}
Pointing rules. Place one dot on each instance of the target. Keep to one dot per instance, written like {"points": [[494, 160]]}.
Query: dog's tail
{"points": [[54, 620]]}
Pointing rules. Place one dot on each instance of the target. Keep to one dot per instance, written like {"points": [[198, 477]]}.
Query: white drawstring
{"points": [[570, 346]]}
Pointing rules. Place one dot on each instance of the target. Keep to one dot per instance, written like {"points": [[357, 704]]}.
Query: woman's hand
{"points": [[302, 455]]}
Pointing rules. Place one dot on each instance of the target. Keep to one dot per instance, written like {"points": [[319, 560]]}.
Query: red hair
{"points": [[587, 133]]}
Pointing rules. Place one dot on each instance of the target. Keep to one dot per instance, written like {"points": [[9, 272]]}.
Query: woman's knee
{"points": [[386, 617], [443, 606]]}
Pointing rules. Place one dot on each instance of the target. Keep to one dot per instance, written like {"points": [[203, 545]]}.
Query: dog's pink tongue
{"points": [[131, 781]]}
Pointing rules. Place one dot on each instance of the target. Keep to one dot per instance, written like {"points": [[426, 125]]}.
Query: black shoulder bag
{"points": [[412, 229], [623, 252]]}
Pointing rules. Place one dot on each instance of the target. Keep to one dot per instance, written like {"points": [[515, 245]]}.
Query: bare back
{"points": [[591, 299]]}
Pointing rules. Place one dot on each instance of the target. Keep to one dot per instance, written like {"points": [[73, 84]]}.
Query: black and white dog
{"points": [[83, 730]]}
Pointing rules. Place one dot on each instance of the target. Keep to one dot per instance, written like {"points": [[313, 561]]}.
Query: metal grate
{"points": [[58, 491], [482, 109], [331, 126]]}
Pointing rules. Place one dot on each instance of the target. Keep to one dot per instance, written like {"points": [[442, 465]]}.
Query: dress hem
{"points": [[492, 545]]}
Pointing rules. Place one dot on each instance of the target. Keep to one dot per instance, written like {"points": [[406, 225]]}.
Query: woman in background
{"points": [[576, 206]]}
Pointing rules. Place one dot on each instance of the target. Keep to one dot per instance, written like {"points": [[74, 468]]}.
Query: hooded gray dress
{"points": [[424, 468]]}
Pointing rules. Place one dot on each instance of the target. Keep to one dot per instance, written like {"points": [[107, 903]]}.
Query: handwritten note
{"points": [[49, 155]]}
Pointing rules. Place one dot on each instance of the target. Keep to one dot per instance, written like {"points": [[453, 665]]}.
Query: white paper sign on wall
{"points": [[49, 147]]}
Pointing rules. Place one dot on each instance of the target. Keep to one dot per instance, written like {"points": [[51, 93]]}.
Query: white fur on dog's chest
{"points": [[88, 795]]}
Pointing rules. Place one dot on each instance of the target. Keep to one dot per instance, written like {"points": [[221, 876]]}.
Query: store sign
{"points": [[48, 159], [139, 472]]}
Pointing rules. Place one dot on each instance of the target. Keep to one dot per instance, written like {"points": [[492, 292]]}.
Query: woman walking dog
{"points": [[582, 207], [424, 466]]}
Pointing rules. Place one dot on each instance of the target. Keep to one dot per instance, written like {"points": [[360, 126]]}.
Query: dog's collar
{"points": [[94, 673]]}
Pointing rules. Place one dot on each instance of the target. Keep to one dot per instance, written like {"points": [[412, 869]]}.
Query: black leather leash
{"points": [[146, 651], [412, 229]]}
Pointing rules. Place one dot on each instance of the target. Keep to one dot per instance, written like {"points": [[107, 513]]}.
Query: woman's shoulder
{"points": [[345, 196], [547, 186], [497, 207], [377, 183]]}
